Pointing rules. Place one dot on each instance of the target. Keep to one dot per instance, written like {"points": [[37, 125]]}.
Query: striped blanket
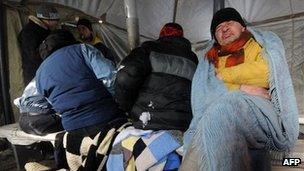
{"points": [[90, 152]]}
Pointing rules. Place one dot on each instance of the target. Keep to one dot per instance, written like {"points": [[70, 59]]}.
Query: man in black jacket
{"points": [[154, 81], [32, 35]]}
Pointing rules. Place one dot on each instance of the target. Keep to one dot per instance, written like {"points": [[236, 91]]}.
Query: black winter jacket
{"points": [[30, 37], [155, 80]]}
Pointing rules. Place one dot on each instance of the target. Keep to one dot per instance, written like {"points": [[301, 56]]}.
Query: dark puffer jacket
{"points": [[154, 84], [30, 37]]}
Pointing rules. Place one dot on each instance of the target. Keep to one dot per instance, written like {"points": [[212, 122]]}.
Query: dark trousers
{"points": [[40, 124]]}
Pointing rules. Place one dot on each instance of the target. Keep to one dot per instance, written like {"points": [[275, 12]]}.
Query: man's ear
{"points": [[243, 29]]}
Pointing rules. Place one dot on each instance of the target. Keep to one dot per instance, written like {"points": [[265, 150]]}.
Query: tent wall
{"points": [[195, 17], [114, 38], [260, 10], [15, 71]]}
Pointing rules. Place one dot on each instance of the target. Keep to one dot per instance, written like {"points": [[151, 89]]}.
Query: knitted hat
{"points": [[47, 12], [171, 29], [225, 14], [85, 22]]}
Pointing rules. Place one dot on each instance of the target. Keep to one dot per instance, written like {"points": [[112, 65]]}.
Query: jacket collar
{"points": [[178, 41]]}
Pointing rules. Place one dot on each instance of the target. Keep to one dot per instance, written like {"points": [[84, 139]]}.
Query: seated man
{"points": [[154, 81], [78, 82], [153, 85], [242, 98]]}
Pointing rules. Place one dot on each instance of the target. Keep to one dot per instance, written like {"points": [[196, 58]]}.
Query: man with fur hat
{"points": [[243, 100], [87, 35], [31, 36], [154, 81]]}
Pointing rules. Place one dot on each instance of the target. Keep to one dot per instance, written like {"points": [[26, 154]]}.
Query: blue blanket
{"points": [[152, 151], [226, 123]]}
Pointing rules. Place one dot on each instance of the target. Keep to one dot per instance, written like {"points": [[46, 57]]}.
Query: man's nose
{"points": [[225, 28]]}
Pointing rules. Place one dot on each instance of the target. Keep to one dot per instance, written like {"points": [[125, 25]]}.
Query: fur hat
{"points": [[225, 14]]}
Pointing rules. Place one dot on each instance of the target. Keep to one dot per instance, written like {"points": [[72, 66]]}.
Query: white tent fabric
{"points": [[114, 38], [260, 10], [193, 15]]}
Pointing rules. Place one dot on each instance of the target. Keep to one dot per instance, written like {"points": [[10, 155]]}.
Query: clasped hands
{"points": [[251, 89]]}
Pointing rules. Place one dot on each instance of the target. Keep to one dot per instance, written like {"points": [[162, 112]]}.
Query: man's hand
{"points": [[218, 76], [255, 90]]}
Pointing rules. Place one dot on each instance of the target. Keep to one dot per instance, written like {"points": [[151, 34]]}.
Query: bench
{"points": [[17, 137], [20, 140]]}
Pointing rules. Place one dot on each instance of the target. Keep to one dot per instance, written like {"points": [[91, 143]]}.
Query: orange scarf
{"points": [[235, 50]]}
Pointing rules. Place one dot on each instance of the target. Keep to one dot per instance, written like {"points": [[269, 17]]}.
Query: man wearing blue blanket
{"points": [[242, 99]]}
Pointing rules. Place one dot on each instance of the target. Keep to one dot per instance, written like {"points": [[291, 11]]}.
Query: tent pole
{"points": [[5, 97], [217, 5], [175, 10], [132, 23]]}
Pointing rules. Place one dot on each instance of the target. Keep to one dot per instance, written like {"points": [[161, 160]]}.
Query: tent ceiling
{"points": [[259, 10], [193, 15]]}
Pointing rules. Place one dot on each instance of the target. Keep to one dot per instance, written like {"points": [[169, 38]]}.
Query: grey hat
{"points": [[47, 12]]}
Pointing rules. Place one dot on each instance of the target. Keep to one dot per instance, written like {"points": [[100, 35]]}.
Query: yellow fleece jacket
{"points": [[95, 40], [254, 70]]}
